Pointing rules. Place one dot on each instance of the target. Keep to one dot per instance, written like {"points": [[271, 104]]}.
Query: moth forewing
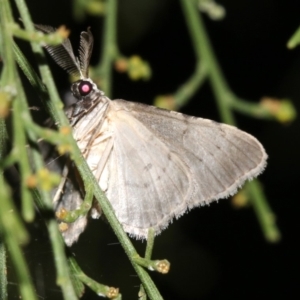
{"points": [[153, 164], [162, 163]]}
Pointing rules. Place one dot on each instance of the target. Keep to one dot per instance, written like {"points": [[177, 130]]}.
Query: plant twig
{"points": [[99, 289], [9, 223], [264, 214], [226, 100], [294, 39], [161, 266], [55, 109], [150, 243], [110, 51], [3, 270]]}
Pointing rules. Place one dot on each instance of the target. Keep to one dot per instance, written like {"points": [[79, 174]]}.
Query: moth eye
{"points": [[84, 88]]}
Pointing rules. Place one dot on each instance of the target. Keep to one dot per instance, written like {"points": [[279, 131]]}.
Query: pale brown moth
{"points": [[153, 164]]}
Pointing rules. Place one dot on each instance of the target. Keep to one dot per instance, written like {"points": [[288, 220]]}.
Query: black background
{"points": [[216, 252]]}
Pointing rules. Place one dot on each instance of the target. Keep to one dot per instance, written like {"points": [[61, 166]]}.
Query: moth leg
{"points": [[87, 149], [61, 184], [104, 158]]}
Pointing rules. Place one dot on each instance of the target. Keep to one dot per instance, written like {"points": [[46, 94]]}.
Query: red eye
{"points": [[85, 88]]}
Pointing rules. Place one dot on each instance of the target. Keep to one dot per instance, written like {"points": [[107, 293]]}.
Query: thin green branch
{"points": [[49, 135], [83, 7], [188, 89], [8, 160], [72, 216], [44, 203], [204, 53], [19, 149], [123, 238], [265, 216], [251, 109], [99, 289], [55, 103], [150, 243], [29, 72], [6, 42], [294, 39], [13, 233], [3, 138], [104, 69], [19, 140], [55, 109], [53, 39], [10, 220], [226, 100], [3, 270], [161, 266], [63, 277]]}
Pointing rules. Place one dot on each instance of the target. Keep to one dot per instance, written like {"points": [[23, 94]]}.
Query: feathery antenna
{"points": [[64, 56], [85, 51]]}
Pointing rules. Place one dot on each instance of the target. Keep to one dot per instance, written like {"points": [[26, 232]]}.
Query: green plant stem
{"points": [[264, 213], [9, 224], [206, 60], [148, 255], [84, 208], [24, 279], [99, 289], [161, 266], [44, 203], [10, 221], [188, 89], [226, 100], [3, 138], [6, 39], [37, 36], [55, 109], [19, 149], [251, 109], [104, 69], [63, 279], [29, 72], [150, 243], [55, 103], [77, 157], [3, 270], [122, 236], [63, 276], [204, 53], [294, 39], [12, 80]]}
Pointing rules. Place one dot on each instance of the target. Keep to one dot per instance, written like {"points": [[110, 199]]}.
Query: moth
{"points": [[153, 164]]}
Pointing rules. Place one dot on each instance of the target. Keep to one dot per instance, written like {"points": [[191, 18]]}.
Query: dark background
{"points": [[217, 252]]}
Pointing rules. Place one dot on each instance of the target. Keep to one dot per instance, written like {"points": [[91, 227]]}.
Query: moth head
{"points": [[83, 88]]}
